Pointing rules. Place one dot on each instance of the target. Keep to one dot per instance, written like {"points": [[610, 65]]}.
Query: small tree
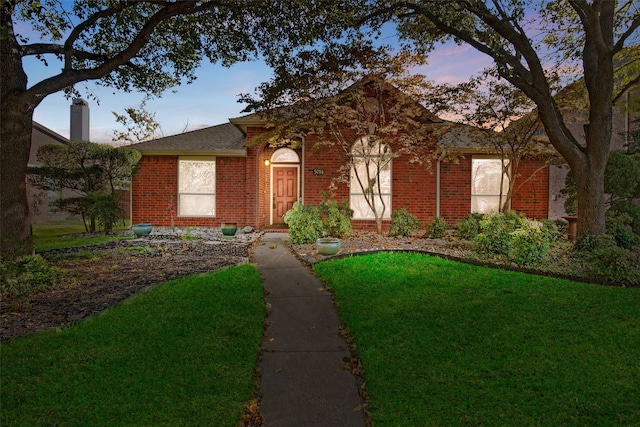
{"points": [[360, 101], [511, 125], [140, 124], [90, 178]]}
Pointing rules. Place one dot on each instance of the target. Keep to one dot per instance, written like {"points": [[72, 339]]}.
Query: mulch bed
{"points": [[118, 271]]}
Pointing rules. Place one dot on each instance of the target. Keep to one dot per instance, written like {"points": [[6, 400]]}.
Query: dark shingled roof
{"points": [[224, 138], [463, 137]]}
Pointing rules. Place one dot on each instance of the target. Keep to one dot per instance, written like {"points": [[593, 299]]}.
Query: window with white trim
{"points": [[370, 182], [197, 186], [487, 176]]}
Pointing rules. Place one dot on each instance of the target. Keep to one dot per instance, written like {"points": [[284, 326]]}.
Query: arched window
{"points": [[370, 179], [285, 155]]}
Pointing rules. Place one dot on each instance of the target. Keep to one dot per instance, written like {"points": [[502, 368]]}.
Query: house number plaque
{"points": [[318, 171]]}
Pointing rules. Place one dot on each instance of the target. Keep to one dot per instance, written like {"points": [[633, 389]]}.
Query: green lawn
{"points": [[446, 343], [61, 234], [183, 353]]}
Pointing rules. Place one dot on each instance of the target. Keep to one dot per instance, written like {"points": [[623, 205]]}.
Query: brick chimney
{"points": [[79, 120]]}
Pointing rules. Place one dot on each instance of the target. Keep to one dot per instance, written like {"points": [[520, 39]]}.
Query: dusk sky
{"points": [[212, 98]]}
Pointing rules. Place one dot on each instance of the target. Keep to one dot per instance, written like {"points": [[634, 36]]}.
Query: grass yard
{"points": [[183, 353], [446, 343], [53, 234]]}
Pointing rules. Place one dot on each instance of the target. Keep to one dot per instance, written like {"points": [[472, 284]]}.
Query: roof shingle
{"points": [[221, 138]]}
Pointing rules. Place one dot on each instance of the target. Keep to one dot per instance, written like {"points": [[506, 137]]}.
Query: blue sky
{"points": [[212, 98]]}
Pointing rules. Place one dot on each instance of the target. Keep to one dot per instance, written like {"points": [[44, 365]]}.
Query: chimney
{"points": [[79, 120]]}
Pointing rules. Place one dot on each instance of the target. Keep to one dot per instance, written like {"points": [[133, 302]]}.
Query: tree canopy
{"points": [[361, 102], [145, 45], [532, 46]]}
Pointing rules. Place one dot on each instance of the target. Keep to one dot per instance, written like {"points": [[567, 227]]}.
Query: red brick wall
{"points": [[455, 189], [243, 188], [155, 188], [532, 198]]}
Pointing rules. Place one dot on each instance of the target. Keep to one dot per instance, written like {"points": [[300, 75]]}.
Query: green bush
{"points": [[619, 226], [562, 228], [403, 223], [305, 223], [552, 230], [25, 275], [495, 235], [338, 219], [105, 208], [437, 228], [586, 243], [469, 227], [529, 243], [521, 240], [611, 263]]}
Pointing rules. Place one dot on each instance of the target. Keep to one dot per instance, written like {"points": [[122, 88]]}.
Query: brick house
{"points": [[214, 175]]}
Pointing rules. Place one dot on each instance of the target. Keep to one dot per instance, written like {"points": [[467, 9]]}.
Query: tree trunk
{"points": [[379, 224], [15, 224], [16, 115], [590, 195]]}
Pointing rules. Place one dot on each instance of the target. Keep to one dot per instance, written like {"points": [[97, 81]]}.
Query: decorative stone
{"points": [[142, 229]]}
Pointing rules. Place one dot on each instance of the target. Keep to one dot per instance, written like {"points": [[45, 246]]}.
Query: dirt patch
{"points": [[98, 277]]}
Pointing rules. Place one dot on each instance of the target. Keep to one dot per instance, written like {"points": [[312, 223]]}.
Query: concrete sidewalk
{"points": [[303, 382]]}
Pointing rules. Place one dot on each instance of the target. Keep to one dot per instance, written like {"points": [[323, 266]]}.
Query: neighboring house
{"points": [[210, 176], [42, 203], [625, 119]]}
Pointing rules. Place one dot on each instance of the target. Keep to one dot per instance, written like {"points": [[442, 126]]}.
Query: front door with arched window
{"points": [[285, 187]]}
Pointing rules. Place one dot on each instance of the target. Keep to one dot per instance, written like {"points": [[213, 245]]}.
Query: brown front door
{"points": [[285, 191]]}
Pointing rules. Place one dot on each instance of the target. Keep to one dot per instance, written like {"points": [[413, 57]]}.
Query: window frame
{"points": [[180, 194], [505, 184], [358, 153]]}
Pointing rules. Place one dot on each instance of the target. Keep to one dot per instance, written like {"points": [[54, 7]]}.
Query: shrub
{"points": [[562, 228], [305, 224], [585, 243], [338, 219], [104, 207], [551, 230], [611, 263], [523, 241], [25, 275], [619, 226], [529, 243], [469, 227], [495, 234], [437, 228], [403, 223]]}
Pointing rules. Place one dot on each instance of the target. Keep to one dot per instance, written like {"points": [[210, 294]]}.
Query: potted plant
{"points": [[328, 245], [229, 229], [141, 229], [336, 224]]}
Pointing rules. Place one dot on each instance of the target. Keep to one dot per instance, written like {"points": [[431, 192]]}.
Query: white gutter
{"points": [[302, 174], [438, 185]]}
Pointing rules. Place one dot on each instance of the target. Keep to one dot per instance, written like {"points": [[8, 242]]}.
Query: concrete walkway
{"points": [[303, 382]]}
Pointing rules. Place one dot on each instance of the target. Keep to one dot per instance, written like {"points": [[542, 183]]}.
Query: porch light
{"points": [[267, 162]]}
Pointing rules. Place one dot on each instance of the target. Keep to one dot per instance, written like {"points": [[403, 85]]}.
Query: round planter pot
{"points": [[141, 229], [229, 228], [328, 245]]}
